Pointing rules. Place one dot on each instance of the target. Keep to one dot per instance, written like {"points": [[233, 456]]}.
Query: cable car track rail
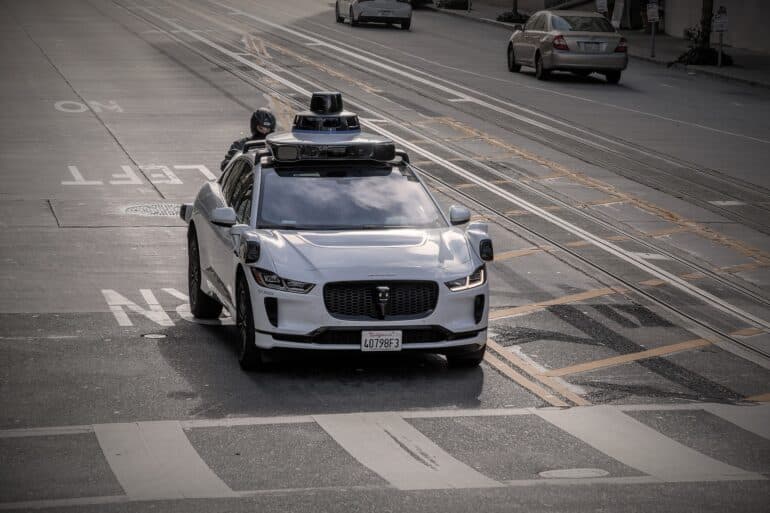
{"points": [[607, 246]]}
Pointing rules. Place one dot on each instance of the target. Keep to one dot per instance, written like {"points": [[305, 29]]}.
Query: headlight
{"points": [[477, 278], [271, 280]]}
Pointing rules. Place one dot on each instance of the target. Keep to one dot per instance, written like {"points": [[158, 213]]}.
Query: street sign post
{"points": [[653, 17], [719, 25]]}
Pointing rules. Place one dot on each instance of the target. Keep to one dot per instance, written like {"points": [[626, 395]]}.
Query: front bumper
{"points": [[558, 60], [303, 322], [372, 14]]}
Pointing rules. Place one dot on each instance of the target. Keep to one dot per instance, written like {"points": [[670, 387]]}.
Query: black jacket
{"points": [[237, 147]]}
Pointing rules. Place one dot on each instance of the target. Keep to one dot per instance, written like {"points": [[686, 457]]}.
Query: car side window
{"points": [[231, 180], [242, 197], [539, 24]]}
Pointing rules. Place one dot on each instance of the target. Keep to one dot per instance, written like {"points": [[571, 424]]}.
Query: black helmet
{"points": [[263, 118]]}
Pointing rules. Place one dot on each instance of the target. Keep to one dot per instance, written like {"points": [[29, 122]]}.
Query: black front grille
{"points": [[359, 299]]}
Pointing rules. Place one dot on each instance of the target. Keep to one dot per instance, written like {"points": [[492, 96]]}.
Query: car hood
{"points": [[361, 254]]}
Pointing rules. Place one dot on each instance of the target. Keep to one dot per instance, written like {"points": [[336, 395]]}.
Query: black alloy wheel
{"points": [[337, 16], [467, 360], [512, 66], [202, 306], [613, 77], [540, 72], [249, 355]]}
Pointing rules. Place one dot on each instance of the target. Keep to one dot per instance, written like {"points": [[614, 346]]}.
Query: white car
{"points": [[374, 11], [325, 238]]}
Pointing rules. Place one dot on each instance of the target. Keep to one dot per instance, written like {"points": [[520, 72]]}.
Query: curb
{"points": [[698, 70]]}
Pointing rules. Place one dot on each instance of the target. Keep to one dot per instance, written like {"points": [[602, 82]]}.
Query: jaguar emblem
{"points": [[383, 297]]}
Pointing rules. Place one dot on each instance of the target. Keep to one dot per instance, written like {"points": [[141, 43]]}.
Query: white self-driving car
{"points": [[374, 11], [325, 238]]}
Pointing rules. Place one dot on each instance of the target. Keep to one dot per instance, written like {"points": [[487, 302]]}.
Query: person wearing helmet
{"points": [[262, 124]]}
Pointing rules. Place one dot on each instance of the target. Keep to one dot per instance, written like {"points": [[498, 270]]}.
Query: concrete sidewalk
{"points": [[749, 67]]}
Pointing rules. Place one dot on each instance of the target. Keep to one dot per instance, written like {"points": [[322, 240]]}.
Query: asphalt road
{"points": [[630, 329]]}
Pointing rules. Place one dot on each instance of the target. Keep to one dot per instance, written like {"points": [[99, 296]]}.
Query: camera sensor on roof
{"points": [[326, 102]]}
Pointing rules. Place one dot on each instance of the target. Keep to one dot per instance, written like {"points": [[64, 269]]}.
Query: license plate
{"points": [[592, 47], [386, 13], [381, 341]]}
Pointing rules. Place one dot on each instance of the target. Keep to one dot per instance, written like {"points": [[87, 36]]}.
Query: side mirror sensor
{"points": [[485, 250], [249, 250], [223, 216], [459, 215]]}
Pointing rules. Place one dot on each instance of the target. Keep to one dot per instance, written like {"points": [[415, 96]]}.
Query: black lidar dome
{"points": [[326, 102]]}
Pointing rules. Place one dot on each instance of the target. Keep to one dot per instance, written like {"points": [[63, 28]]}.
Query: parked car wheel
{"points": [[249, 355], [202, 305], [540, 72], [337, 15], [613, 77], [512, 66]]}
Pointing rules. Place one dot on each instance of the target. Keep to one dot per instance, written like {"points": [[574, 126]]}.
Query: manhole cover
{"points": [[154, 209], [574, 473]]}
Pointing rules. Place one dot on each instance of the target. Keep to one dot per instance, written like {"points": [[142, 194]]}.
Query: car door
{"points": [[521, 45], [535, 35], [238, 194]]}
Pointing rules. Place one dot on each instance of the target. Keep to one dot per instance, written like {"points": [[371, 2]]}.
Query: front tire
{"points": [[512, 66], [249, 355], [202, 306], [613, 77], [353, 21], [406, 24], [337, 16], [540, 72], [467, 360]]}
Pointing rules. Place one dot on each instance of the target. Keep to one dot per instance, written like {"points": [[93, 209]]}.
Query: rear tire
{"points": [[540, 72], [202, 306], [405, 25], [467, 360], [337, 16], [249, 355], [353, 21], [512, 66], [613, 77]]}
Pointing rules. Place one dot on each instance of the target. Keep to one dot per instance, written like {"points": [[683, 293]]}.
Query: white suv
{"points": [[378, 11], [325, 238]]}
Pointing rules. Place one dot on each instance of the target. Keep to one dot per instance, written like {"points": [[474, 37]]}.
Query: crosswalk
{"points": [[164, 460]]}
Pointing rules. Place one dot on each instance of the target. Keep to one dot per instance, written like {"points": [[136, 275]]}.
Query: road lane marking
{"points": [[399, 453], [535, 388], [155, 461], [761, 398], [747, 332], [728, 203], [628, 358], [78, 178], [507, 255], [632, 443], [755, 419], [572, 298], [545, 380]]}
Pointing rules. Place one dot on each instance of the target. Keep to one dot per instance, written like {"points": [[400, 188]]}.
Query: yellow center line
{"points": [[518, 252], [761, 398], [536, 373], [627, 358], [747, 332], [530, 385], [532, 307]]}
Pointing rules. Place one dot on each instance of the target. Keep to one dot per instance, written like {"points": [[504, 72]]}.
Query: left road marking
{"points": [[155, 460]]}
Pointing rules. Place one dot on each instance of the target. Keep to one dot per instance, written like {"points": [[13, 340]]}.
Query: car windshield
{"points": [[345, 197], [581, 24]]}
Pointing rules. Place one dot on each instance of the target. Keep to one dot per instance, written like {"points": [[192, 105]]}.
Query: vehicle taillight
{"points": [[559, 43], [622, 45]]}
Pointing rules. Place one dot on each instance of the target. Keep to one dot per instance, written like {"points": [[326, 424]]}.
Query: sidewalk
{"points": [[749, 68]]}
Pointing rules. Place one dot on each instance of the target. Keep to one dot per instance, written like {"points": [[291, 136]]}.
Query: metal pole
{"points": [[719, 59], [652, 39]]}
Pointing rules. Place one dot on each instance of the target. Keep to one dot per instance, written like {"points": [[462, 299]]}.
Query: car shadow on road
{"points": [[308, 382]]}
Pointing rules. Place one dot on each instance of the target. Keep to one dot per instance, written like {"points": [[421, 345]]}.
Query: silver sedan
{"points": [[580, 42]]}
